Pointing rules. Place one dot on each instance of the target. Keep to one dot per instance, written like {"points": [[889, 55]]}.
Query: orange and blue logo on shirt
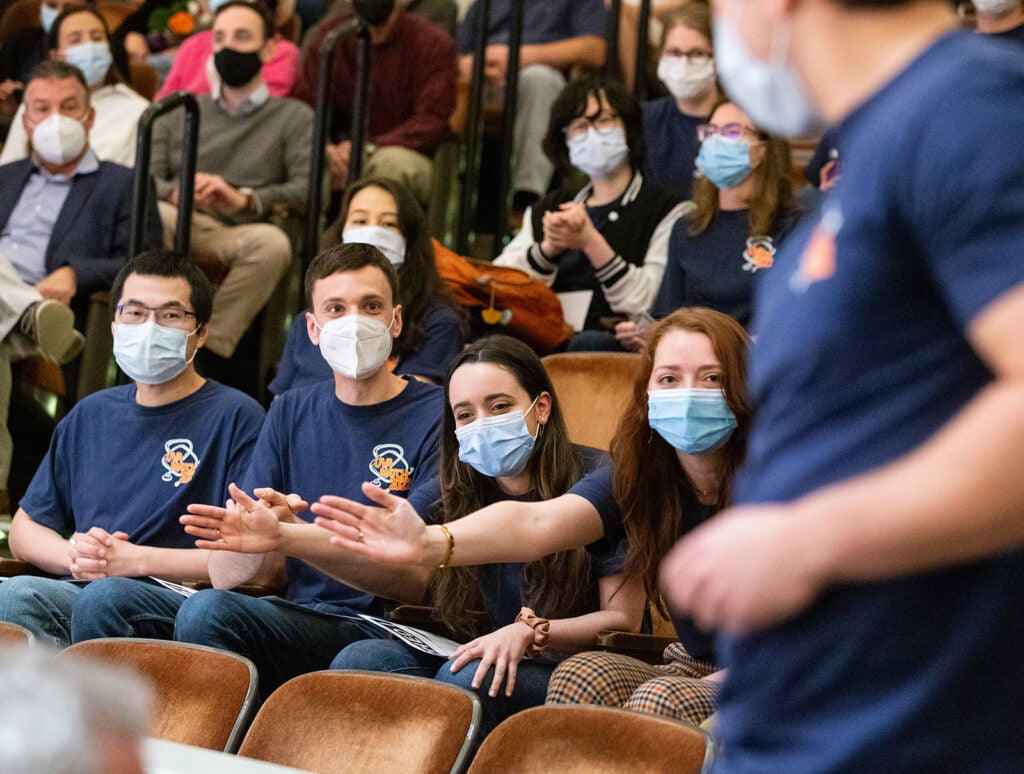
{"points": [[818, 261], [760, 254], [391, 468], [180, 461]]}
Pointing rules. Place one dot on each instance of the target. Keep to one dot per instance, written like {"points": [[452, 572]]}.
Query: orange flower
{"points": [[181, 23]]}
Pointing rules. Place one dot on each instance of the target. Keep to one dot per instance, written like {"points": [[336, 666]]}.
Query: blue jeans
{"points": [[395, 656], [41, 605], [124, 607], [282, 639]]}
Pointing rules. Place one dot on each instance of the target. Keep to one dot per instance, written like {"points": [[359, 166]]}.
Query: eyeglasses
{"points": [[697, 56], [730, 131], [603, 123], [169, 316]]}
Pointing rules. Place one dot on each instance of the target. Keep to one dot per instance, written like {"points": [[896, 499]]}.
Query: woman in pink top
{"points": [[189, 69]]}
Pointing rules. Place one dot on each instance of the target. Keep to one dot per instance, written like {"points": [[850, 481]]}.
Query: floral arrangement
{"points": [[170, 25]]}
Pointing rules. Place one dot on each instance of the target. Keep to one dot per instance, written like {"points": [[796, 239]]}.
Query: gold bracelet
{"points": [[451, 546]]}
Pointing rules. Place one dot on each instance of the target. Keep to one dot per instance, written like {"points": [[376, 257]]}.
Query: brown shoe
{"points": [[51, 326]]}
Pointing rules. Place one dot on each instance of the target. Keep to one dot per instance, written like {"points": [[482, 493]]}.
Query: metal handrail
{"points": [[322, 130], [515, 40], [474, 130], [186, 174]]}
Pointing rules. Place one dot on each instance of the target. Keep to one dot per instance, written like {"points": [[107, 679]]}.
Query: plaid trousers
{"points": [[674, 689]]}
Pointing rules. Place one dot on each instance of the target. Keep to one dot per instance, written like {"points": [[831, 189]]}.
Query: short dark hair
{"points": [[167, 263], [572, 103], [350, 257], [55, 70], [257, 6]]}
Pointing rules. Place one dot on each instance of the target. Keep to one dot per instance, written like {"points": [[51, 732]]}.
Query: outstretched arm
{"points": [[247, 531], [508, 531]]}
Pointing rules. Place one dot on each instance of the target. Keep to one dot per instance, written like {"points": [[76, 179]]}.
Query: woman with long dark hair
{"points": [[385, 214], [505, 440], [674, 456]]}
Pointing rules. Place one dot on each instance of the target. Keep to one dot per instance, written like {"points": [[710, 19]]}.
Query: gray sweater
{"points": [[267, 150]]}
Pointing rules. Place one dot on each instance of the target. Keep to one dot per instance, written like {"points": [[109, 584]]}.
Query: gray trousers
{"points": [[15, 298]]}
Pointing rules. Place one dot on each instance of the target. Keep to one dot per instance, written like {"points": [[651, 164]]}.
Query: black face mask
{"points": [[374, 12], [236, 68]]}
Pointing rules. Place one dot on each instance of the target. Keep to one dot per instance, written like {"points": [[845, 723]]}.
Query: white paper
{"points": [[416, 638], [177, 588], [575, 305]]}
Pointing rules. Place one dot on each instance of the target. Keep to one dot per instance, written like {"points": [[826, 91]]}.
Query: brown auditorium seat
{"points": [[12, 634], [202, 696], [580, 739], [593, 389], [356, 721]]}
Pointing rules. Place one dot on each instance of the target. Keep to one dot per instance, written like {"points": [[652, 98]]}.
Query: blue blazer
{"points": [[92, 230]]}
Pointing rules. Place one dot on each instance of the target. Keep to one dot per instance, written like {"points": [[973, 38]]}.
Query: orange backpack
{"points": [[527, 307]]}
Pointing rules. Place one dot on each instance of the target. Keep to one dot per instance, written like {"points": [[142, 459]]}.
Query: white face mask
{"points": [[354, 345], [58, 139], [150, 353], [771, 92], [92, 58], [389, 242], [684, 79], [995, 7], [598, 153]]}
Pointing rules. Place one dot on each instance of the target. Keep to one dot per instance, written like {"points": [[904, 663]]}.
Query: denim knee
{"points": [[386, 656], [41, 605], [209, 617], [124, 607]]}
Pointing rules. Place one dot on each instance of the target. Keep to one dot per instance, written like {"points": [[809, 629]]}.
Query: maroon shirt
{"points": [[412, 83]]}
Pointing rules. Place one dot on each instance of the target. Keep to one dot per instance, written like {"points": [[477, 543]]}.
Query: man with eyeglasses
{"points": [[124, 463], [64, 221]]}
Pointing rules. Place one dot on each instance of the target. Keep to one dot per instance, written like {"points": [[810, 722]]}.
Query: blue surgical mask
{"points": [[92, 58], [497, 446], [47, 16], [695, 421], [389, 242], [150, 353], [724, 162], [598, 153], [769, 92]]}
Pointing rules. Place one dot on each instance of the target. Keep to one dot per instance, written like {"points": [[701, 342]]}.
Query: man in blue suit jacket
{"points": [[64, 228]]}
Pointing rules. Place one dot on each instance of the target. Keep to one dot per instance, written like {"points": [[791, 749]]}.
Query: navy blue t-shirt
{"points": [[124, 467], [596, 488], [861, 355], [1013, 35], [302, 364], [716, 268], [544, 21], [501, 585], [671, 145], [313, 444]]}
